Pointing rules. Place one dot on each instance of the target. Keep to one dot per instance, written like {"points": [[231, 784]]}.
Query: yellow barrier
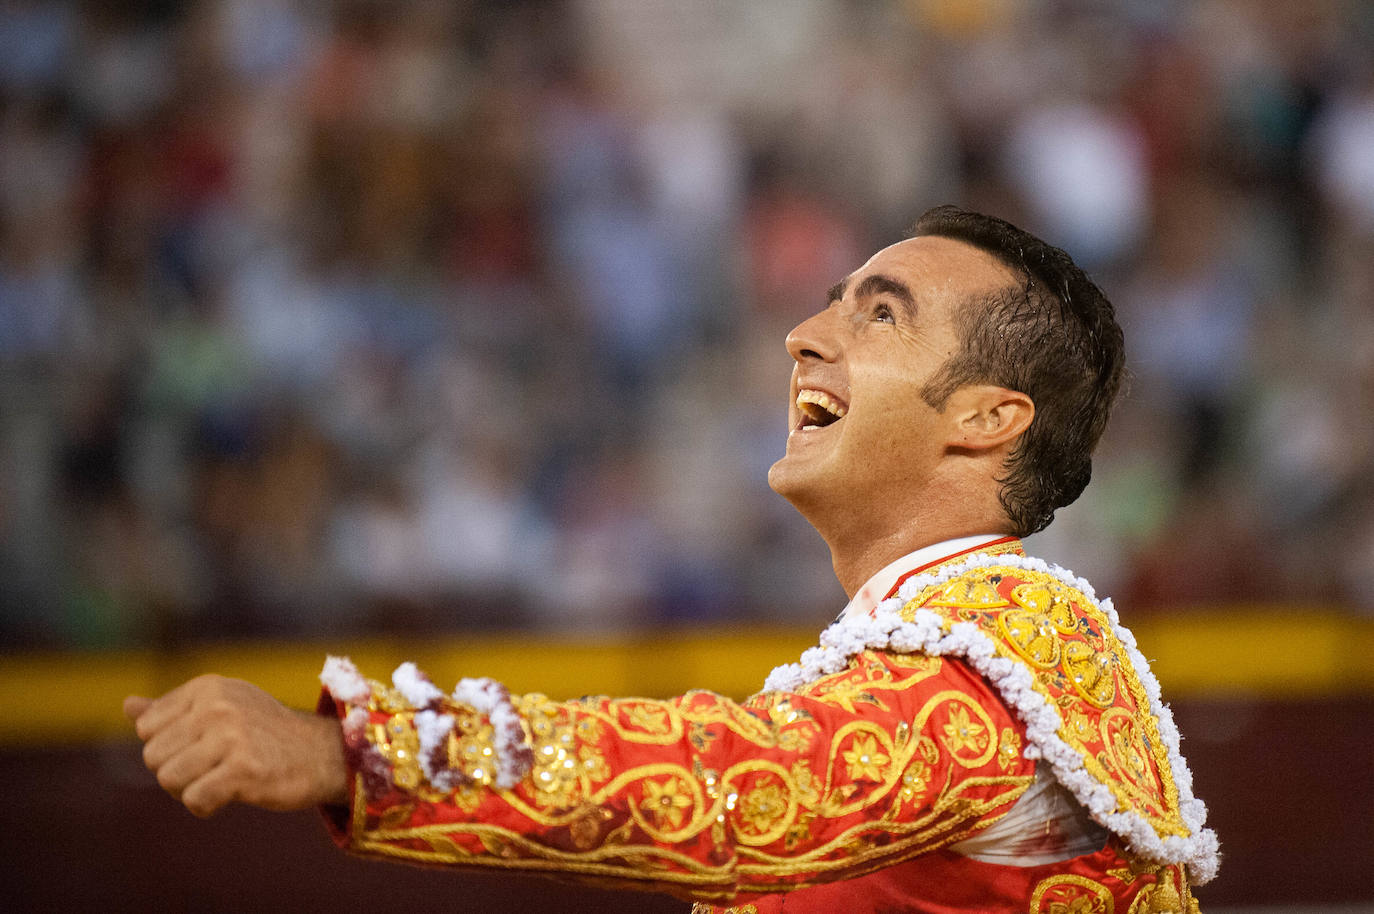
{"points": [[73, 697]]}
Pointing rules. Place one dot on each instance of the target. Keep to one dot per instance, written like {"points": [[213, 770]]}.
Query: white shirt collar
{"points": [[867, 597]]}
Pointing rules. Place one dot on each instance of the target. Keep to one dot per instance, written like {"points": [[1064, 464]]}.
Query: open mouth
{"points": [[818, 410]]}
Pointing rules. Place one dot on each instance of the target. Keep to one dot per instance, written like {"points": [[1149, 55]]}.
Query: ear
{"points": [[984, 417]]}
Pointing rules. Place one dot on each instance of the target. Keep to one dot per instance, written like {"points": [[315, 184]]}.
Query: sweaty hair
{"points": [[1055, 339]]}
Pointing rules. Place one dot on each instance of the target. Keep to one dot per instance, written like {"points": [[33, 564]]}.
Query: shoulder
{"points": [[1073, 674]]}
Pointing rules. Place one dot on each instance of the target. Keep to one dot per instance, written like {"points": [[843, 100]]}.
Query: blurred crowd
{"points": [[343, 317]]}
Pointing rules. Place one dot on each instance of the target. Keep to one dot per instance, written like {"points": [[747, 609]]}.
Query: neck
{"points": [[858, 554], [868, 529]]}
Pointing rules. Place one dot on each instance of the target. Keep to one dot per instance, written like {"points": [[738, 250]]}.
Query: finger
{"points": [[162, 711], [211, 792], [189, 765], [135, 705], [171, 740], [171, 706]]}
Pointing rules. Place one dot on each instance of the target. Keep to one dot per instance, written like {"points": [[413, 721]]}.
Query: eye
{"points": [[883, 313]]}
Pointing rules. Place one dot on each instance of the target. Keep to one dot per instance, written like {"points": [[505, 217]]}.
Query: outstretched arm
{"points": [[701, 796], [214, 741], [894, 756]]}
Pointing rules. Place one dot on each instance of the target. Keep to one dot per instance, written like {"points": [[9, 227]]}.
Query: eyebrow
{"points": [[876, 284], [835, 292]]}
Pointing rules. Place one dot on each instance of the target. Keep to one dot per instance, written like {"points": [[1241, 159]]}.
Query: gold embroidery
{"points": [[1008, 749], [396, 816], [962, 733], [761, 821], [1083, 669], [763, 807], [664, 803], [1048, 598], [967, 739], [563, 766], [1164, 896], [585, 830], [1133, 870], [865, 761], [1121, 735], [1066, 894], [469, 747], [916, 777], [649, 718], [514, 850], [968, 593], [1090, 672]]}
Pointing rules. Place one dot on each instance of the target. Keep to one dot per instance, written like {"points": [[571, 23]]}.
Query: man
{"points": [[976, 732]]}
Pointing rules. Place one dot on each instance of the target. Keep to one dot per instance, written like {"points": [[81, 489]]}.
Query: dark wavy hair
{"points": [[1054, 338]]}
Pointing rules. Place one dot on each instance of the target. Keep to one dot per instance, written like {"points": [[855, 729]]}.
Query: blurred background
{"points": [[423, 323]]}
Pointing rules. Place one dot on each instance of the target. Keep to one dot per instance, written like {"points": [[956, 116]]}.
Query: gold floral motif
{"points": [[1008, 749], [762, 807], [968, 593], [804, 783], [594, 765], [963, 734], [1091, 672], [1121, 736], [1033, 636], [664, 802], [797, 739], [1078, 725], [649, 718], [966, 730], [865, 760], [915, 780], [1048, 598], [387, 699], [1068, 894], [471, 749], [844, 692]]}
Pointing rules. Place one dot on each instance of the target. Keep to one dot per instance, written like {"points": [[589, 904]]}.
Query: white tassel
{"points": [[1015, 684], [343, 681], [513, 753], [415, 686], [433, 729]]}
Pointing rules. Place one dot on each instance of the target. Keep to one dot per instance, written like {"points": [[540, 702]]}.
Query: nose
{"points": [[814, 338]]}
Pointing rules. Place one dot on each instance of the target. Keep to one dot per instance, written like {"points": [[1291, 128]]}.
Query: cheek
{"points": [[902, 422], [897, 401]]}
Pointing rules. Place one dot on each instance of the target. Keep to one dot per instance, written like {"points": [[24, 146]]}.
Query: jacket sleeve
{"points": [[700, 796]]}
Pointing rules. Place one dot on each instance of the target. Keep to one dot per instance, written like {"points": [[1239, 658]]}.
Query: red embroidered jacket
{"points": [[863, 772]]}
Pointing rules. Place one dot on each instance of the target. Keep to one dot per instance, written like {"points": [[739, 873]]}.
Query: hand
{"points": [[214, 741]]}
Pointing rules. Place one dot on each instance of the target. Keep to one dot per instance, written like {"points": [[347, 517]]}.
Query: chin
{"points": [[777, 477], [796, 483], [780, 477]]}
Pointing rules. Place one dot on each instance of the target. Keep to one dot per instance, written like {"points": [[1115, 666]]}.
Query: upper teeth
{"points": [[820, 399]]}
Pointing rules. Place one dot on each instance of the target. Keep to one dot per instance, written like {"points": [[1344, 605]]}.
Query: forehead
{"points": [[937, 269]]}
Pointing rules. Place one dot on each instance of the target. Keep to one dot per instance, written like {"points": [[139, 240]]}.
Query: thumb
{"points": [[135, 705]]}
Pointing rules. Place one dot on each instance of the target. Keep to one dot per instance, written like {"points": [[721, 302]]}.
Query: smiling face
{"points": [[862, 441]]}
